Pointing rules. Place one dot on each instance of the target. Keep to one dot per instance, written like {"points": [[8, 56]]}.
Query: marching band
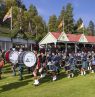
{"points": [[44, 63]]}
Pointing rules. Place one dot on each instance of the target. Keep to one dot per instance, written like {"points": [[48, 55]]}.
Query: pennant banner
{"points": [[8, 14]]}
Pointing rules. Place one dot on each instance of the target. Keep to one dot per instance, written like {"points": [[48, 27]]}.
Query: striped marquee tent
{"points": [[55, 37]]}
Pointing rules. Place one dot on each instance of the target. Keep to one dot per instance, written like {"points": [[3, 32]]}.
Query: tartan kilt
{"points": [[84, 65]]}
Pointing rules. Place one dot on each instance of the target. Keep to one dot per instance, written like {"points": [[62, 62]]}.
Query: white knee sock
{"points": [[81, 72], [84, 73], [36, 82], [54, 78]]}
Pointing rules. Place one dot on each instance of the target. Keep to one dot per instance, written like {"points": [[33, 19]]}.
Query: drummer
{"points": [[20, 66], [13, 65]]}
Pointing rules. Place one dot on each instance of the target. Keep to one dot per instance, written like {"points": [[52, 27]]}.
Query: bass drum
{"points": [[7, 56], [27, 58], [13, 57]]}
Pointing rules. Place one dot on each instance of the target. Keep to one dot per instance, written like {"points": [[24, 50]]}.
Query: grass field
{"points": [[80, 86]]}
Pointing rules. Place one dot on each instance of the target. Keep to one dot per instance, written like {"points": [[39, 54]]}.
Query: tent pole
{"points": [[46, 47], [65, 47], [75, 48]]}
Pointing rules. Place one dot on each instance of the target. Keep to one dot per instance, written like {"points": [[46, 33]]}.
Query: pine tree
{"points": [[79, 22], [91, 28], [32, 11], [68, 19], [61, 18], [52, 25]]}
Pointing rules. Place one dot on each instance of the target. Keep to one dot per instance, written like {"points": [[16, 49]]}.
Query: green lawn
{"points": [[80, 86]]}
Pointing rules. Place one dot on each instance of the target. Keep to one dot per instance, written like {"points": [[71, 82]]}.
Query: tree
{"points": [[78, 24], [61, 18], [32, 11], [22, 17], [2, 8], [19, 3], [52, 25], [31, 19], [40, 27], [68, 19], [91, 28], [9, 3], [80, 27]]}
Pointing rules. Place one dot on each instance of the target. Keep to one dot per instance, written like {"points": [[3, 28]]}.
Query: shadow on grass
{"points": [[48, 78], [3, 77], [15, 85], [45, 79], [28, 76], [61, 75]]}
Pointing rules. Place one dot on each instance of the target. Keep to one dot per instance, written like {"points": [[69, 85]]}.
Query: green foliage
{"points": [[5, 32], [91, 28], [78, 24], [22, 17], [32, 11], [68, 19], [61, 18], [66, 16], [52, 25]]}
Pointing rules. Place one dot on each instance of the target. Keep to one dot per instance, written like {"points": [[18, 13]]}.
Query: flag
{"points": [[61, 24], [81, 26], [8, 14]]}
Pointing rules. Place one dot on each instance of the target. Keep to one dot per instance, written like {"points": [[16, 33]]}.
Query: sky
{"points": [[81, 8]]}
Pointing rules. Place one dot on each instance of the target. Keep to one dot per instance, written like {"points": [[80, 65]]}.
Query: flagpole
{"points": [[36, 32], [83, 29], [63, 24], [48, 27], [11, 25], [20, 12]]}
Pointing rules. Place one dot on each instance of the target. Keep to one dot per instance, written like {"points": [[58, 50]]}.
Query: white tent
{"points": [[49, 38]]}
